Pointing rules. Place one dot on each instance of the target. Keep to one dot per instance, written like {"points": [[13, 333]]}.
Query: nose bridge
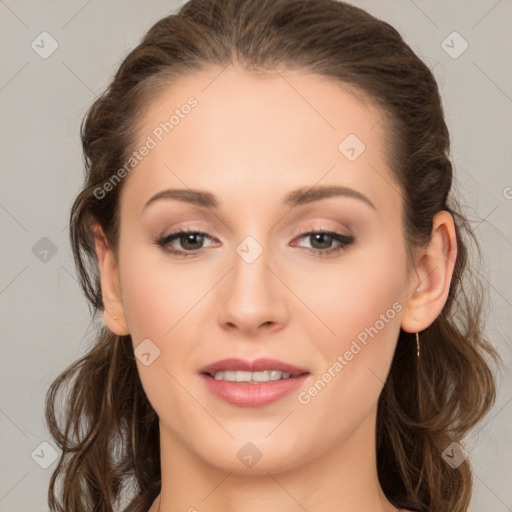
{"points": [[253, 295]]}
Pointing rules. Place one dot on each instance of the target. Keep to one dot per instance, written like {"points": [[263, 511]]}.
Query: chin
{"points": [[254, 455]]}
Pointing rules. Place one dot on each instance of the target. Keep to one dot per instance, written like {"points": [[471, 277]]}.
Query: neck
{"points": [[342, 478]]}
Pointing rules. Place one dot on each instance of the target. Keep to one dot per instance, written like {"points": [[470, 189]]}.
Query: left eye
{"points": [[327, 237]]}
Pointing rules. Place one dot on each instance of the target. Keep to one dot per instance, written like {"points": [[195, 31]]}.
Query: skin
{"points": [[250, 140]]}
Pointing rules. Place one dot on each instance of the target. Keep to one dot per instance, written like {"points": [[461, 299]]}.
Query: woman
{"points": [[269, 230]]}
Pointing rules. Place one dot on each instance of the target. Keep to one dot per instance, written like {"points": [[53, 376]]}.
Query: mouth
{"points": [[252, 383], [259, 370], [252, 377]]}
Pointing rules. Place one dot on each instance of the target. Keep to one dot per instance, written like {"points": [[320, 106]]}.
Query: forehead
{"points": [[240, 98], [244, 133]]}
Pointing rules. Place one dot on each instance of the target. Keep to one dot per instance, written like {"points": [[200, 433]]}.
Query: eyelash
{"points": [[344, 240]]}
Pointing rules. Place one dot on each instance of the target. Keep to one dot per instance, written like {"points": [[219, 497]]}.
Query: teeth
{"points": [[243, 376]]}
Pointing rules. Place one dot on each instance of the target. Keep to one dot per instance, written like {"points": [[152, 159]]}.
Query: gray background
{"points": [[45, 320]]}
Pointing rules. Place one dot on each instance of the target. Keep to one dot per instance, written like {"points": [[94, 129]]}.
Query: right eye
{"points": [[184, 237]]}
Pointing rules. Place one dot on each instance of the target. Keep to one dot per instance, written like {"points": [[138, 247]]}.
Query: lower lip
{"points": [[246, 394]]}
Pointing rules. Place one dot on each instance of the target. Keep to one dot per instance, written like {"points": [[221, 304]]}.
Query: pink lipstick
{"points": [[252, 383]]}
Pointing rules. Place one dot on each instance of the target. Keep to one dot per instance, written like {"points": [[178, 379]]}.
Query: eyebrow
{"points": [[296, 197]]}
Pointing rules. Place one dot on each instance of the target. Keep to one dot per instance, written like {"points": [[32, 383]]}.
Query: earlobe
{"points": [[433, 274], [113, 310]]}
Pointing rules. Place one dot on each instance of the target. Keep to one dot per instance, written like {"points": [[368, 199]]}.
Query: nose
{"points": [[253, 297]]}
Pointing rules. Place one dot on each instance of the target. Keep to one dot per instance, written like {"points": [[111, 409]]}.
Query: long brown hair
{"points": [[109, 438]]}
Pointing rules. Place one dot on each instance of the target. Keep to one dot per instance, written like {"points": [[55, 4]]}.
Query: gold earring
{"points": [[418, 345]]}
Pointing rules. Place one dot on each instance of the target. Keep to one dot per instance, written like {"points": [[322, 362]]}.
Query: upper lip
{"points": [[258, 365]]}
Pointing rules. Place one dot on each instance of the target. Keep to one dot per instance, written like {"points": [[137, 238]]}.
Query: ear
{"points": [[432, 276], [113, 310]]}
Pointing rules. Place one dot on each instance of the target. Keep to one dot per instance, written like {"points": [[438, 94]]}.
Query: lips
{"points": [[253, 394], [258, 365]]}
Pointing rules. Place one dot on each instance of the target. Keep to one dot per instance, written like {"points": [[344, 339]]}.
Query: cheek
{"points": [[362, 305], [157, 294], [363, 295], [158, 303]]}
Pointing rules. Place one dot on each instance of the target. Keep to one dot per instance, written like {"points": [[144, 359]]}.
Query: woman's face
{"points": [[255, 286]]}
